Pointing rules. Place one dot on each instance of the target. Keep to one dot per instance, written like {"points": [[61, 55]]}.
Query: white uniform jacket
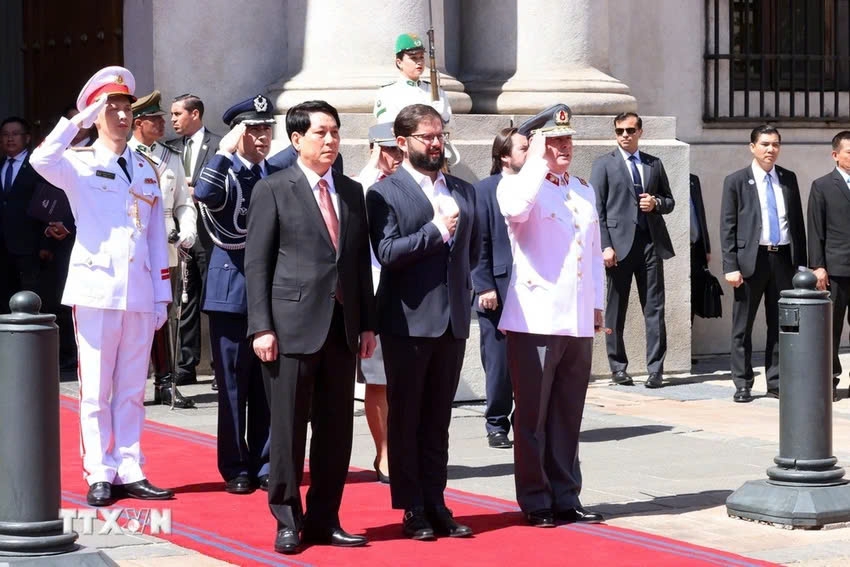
{"points": [[120, 257], [558, 277], [176, 199], [393, 97]]}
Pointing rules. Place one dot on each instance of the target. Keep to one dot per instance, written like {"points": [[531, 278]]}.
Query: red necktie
{"points": [[328, 213]]}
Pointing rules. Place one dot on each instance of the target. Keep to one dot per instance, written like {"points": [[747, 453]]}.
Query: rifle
{"points": [[435, 77]]}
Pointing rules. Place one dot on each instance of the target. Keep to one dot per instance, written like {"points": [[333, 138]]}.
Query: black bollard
{"points": [[30, 488], [805, 489]]}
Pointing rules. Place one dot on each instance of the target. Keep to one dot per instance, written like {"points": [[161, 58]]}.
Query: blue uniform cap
{"points": [[254, 111], [552, 122]]}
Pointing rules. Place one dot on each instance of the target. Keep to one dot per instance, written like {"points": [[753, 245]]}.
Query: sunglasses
{"points": [[621, 131]]}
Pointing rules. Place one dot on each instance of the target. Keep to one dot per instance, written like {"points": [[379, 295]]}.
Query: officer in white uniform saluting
{"points": [[553, 306], [409, 88], [148, 128], [118, 281]]}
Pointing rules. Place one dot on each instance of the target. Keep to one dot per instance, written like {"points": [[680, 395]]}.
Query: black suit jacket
{"points": [[425, 283], [292, 269], [699, 204], [493, 269], [207, 151], [21, 233], [741, 223], [618, 207], [829, 225]]}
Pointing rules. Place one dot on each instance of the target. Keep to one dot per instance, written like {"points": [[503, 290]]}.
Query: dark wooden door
{"points": [[64, 43]]}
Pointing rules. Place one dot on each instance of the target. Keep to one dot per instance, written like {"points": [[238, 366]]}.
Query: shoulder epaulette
{"points": [[388, 84], [424, 82], [169, 146], [583, 182]]}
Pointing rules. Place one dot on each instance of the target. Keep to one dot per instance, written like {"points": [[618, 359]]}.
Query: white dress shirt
{"points": [[313, 180], [438, 194], [16, 168], [761, 185]]}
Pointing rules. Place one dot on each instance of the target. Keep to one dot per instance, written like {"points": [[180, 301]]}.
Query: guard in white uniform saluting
{"points": [[553, 306], [409, 88], [118, 281], [148, 128]]}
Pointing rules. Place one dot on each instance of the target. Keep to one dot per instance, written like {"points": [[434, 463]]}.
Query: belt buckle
{"points": [[772, 248]]}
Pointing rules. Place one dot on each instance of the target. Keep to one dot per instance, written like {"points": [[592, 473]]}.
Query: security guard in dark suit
{"points": [[224, 191]]}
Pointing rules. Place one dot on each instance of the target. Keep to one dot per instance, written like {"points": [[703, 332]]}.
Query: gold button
{"points": [[529, 282], [131, 258], [579, 275], [578, 258], [578, 243], [552, 215]]}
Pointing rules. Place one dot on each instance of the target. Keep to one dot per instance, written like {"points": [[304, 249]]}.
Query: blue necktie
{"points": [[7, 179], [638, 188], [772, 211]]}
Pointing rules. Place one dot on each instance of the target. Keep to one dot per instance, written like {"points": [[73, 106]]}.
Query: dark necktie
{"points": [[123, 163], [638, 188], [258, 173], [7, 179], [187, 158]]}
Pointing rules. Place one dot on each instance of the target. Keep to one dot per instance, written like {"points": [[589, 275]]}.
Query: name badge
{"points": [[106, 174]]}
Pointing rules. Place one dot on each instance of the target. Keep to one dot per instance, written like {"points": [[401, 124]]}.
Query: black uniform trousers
{"points": [[839, 292], [644, 265], [422, 378], [497, 379], [550, 396], [243, 412], [772, 274], [190, 318], [317, 389]]}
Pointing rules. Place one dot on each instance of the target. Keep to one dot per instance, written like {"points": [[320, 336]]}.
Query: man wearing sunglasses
{"points": [[632, 192]]}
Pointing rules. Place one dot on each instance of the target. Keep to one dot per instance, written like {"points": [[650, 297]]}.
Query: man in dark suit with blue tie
{"points": [[424, 232], [763, 239], [21, 237], [829, 241], [490, 278], [632, 195], [224, 191]]}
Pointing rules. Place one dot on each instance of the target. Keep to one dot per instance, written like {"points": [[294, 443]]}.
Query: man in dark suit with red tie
{"points": [[829, 241], [311, 311], [424, 233], [763, 240]]}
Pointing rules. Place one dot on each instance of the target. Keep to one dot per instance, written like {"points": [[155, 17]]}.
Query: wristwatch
{"points": [[657, 202]]}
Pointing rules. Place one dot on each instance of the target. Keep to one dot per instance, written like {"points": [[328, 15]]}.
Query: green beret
{"points": [[408, 42]]}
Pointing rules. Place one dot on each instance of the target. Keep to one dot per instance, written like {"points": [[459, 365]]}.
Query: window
{"points": [[777, 60]]}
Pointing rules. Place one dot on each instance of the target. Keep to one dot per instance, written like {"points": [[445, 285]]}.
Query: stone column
{"points": [[343, 55], [521, 56]]}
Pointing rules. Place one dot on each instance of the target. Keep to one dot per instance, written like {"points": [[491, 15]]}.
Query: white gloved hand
{"points": [[86, 118], [160, 314], [229, 142], [185, 241]]}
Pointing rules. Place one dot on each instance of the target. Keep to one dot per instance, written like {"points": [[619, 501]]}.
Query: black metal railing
{"points": [[785, 60]]}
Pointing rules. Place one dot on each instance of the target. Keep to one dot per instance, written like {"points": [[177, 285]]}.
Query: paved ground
{"points": [[660, 461]]}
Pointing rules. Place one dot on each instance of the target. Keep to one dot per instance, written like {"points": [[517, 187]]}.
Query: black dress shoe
{"points": [[382, 478], [655, 380], [263, 482], [499, 441], [100, 494], [416, 526], [239, 485], [835, 395], [184, 378], [287, 541], [544, 518], [337, 537], [164, 389], [622, 378], [772, 393], [444, 523], [579, 515], [144, 490], [742, 395], [214, 384]]}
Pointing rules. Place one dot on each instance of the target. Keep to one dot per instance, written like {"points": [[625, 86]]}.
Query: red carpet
{"points": [[240, 529]]}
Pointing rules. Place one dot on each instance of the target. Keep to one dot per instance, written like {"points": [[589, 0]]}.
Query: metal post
{"points": [[805, 489], [30, 490]]}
